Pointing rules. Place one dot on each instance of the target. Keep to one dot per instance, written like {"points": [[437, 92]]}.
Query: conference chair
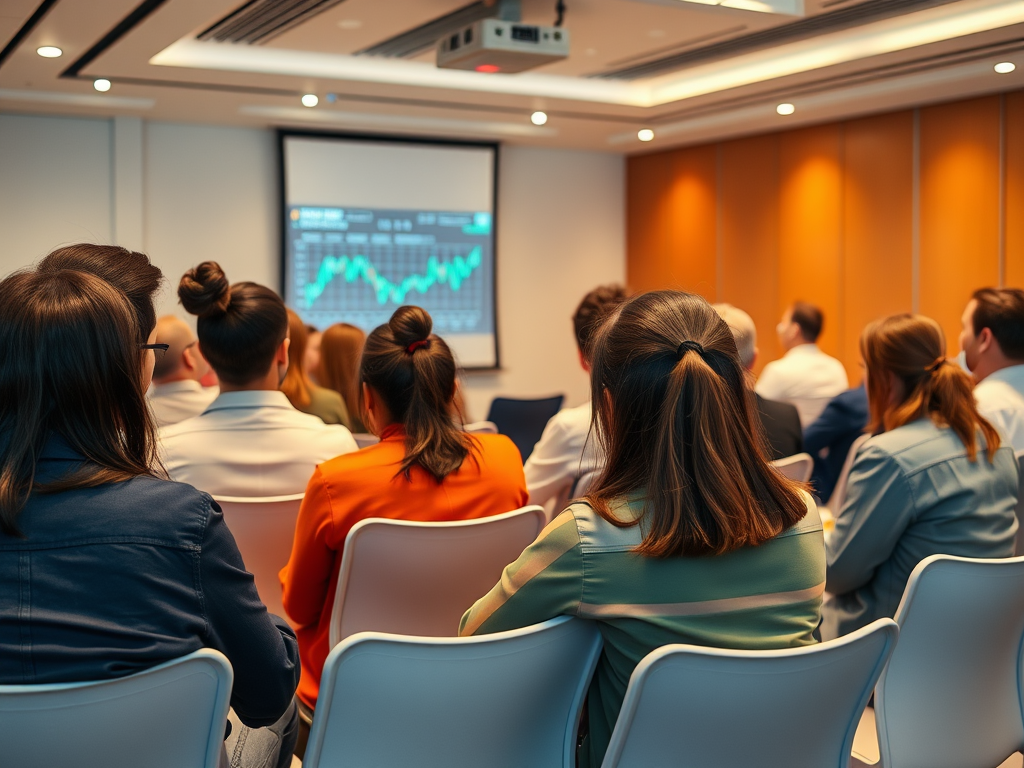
{"points": [[694, 706], [1019, 548], [481, 427], [170, 716], [523, 420], [797, 467], [365, 439], [951, 694], [264, 529], [838, 498], [413, 578], [506, 699]]}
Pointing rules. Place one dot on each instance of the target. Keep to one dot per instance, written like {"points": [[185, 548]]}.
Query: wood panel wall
{"points": [[907, 211]]}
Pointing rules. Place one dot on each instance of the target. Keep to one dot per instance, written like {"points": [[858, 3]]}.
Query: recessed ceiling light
{"points": [[645, 134], [785, 109], [1005, 67], [49, 51], [101, 84], [350, 23], [539, 118], [310, 100]]}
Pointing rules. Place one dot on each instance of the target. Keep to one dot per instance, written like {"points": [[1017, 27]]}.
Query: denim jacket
{"points": [[112, 580]]}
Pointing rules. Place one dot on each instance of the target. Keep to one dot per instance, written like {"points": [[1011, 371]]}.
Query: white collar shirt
{"points": [[806, 377], [1000, 398], [179, 400], [562, 455], [250, 444]]}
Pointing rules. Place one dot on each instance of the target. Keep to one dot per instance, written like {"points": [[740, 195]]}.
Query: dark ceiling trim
{"points": [[26, 28], [126, 24]]}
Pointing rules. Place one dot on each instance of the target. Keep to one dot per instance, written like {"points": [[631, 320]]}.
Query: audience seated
{"points": [[341, 346], [176, 393], [250, 441], [781, 421], [934, 479], [566, 449], [992, 340], [681, 539], [424, 468], [109, 569], [311, 362], [326, 404], [805, 376], [829, 438]]}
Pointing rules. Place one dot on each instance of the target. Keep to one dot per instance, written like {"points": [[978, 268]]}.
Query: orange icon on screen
{"points": [[295, 214]]}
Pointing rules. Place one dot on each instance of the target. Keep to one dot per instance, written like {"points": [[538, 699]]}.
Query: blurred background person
{"points": [[177, 393], [312, 360], [341, 347], [308, 397]]}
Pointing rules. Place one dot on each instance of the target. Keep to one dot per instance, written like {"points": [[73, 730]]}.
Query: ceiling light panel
{"points": [[787, 7]]}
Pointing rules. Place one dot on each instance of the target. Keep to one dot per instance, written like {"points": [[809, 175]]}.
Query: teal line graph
{"points": [[358, 267]]}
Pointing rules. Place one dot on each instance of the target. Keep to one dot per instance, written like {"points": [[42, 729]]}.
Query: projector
{"points": [[494, 45]]}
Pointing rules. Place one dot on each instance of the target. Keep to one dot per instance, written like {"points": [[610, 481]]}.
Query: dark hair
{"points": [[913, 349], [809, 318], [296, 385], [72, 366], [130, 272], [413, 371], [240, 326], [592, 311], [341, 346], [1001, 310], [678, 424]]}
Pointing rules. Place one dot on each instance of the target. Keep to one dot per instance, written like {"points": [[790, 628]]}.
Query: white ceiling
{"points": [[160, 71]]}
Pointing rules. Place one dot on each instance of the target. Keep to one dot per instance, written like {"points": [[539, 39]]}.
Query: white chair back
{"points": [[170, 716], [510, 699], [583, 483], [1019, 548], [951, 695], [797, 467], [413, 578], [264, 529], [835, 502], [365, 439], [481, 427], [695, 706]]}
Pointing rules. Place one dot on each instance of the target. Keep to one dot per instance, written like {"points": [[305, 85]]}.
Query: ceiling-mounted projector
{"points": [[495, 45]]}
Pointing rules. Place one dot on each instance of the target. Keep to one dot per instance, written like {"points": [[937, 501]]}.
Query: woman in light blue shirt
{"points": [[934, 478]]}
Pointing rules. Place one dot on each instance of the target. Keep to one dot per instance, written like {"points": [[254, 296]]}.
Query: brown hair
{"points": [[240, 326], [913, 349], [1001, 310], [72, 367], [809, 318], [592, 311], [130, 272], [296, 385], [413, 371], [341, 346], [678, 425]]}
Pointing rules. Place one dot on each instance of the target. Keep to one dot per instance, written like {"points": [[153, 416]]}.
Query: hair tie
{"points": [[416, 345], [687, 346], [936, 365]]}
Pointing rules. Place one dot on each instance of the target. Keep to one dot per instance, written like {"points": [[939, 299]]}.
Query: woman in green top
{"points": [[689, 535], [306, 396]]}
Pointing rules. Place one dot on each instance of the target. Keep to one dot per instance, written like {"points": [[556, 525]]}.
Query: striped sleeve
{"points": [[544, 582]]}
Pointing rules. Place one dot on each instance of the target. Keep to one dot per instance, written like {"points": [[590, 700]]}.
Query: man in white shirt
{"points": [[992, 340], [805, 376], [177, 394], [566, 450]]}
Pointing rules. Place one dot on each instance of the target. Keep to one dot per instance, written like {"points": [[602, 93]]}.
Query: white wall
{"points": [[211, 193]]}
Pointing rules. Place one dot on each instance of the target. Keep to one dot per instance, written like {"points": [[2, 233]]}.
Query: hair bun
{"points": [[205, 291], [410, 324]]}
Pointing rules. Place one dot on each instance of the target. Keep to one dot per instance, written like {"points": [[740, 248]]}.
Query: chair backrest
{"points": [[835, 502], [797, 467], [694, 706], [481, 427], [951, 695], [1018, 549], [523, 420], [412, 578], [365, 439], [264, 529], [511, 698], [170, 716]]}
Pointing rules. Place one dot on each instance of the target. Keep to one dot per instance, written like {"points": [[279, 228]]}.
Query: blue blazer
{"points": [[839, 425]]}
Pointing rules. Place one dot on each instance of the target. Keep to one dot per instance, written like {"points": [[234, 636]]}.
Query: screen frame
{"points": [[494, 146]]}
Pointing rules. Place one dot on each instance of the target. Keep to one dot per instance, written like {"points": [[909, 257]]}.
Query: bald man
{"points": [[177, 394]]}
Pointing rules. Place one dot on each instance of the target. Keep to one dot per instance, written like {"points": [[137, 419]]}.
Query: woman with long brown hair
{"points": [[341, 347], [935, 478], [689, 535], [324, 403]]}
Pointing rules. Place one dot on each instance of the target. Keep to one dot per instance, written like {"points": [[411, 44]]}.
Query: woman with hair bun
{"points": [[424, 468], [935, 478]]}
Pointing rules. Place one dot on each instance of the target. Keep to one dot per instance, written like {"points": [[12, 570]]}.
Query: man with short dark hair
{"points": [[805, 376], [564, 453], [992, 341]]}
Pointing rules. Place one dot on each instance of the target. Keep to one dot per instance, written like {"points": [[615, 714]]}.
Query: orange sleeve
{"points": [[306, 579]]}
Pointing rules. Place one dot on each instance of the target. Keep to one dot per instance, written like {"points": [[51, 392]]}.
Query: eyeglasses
{"points": [[158, 349]]}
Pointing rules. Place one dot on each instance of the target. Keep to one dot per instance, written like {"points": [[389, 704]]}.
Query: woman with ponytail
{"points": [[689, 535], [935, 478], [424, 468]]}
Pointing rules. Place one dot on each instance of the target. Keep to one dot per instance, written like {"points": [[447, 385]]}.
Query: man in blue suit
{"points": [[842, 422]]}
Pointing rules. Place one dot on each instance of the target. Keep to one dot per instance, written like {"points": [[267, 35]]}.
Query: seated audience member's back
{"points": [[341, 347], [424, 468], [564, 452], [176, 393], [326, 404], [250, 441], [830, 437]]}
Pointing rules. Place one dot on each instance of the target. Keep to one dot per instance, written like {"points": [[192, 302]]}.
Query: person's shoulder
{"points": [[597, 534], [171, 432], [915, 446], [778, 409], [171, 508]]}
